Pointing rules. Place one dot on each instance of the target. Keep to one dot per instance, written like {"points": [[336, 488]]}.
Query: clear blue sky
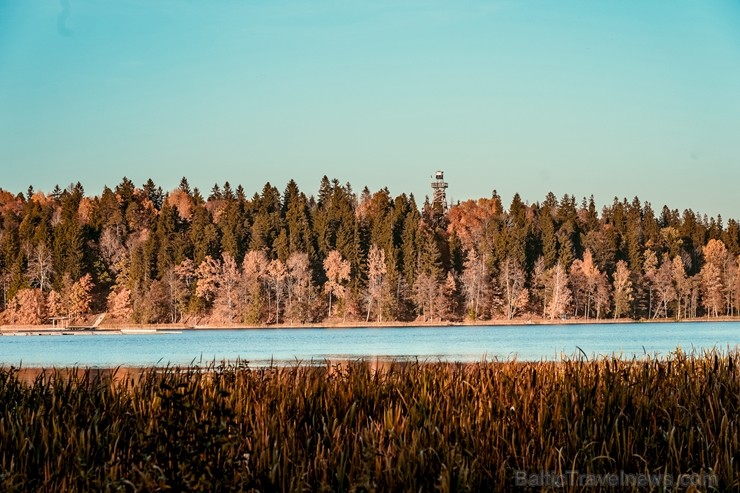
{"points": [[611, 98]]}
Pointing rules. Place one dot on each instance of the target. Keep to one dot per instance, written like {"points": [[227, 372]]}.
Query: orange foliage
{"points": [[182, 202], [217, 209], [468, 219], [84, 212], [27, 307], [373, 207], [9, 202], [40, 198]]}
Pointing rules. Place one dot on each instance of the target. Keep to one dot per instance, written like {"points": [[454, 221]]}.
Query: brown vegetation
{"points": [[349, 427]]}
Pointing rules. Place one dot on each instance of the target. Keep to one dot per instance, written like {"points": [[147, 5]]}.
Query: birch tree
{"points": [[299, 287], [516, 295], [713, 277], [558, 293], [226, 300], [275, 275], [712, 289], [40, 267], [681, 284], [474, 281], [337, 273], [602, 297], [649, 269], [375, 280], [208, 274], [664, 288], [540, 281], [622, 289]]}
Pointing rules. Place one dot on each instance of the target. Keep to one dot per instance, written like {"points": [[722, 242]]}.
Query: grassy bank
{"points": [[354, 428]]}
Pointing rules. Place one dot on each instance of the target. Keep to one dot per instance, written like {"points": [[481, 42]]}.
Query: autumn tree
{"points": [[664, 286], [54, 307], [602, 297], [208, 276], [557, 293], [377, 271], [40, 267], [587, 280], [80, 296], [119, 303], [512, 280], [450, 298], [712, 295], [649, 271], [337, 272], [275, 276], [300, 291], [28, 307], [226, 302], [475, 283], [622, 289], [681, 285], [712, 277]]}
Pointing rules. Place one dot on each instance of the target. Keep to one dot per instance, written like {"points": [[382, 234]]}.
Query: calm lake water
{"points": [[286, 346]]}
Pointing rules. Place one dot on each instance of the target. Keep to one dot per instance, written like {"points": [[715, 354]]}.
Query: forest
{"points": [[142, 255]]}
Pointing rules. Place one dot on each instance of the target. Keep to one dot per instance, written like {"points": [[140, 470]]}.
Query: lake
{"points": [[287, 346]]}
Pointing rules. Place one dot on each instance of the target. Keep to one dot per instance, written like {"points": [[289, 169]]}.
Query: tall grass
{"points": [[349, 427]]}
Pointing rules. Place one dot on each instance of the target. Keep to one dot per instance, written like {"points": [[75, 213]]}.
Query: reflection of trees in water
{"points": [[113, 375]]}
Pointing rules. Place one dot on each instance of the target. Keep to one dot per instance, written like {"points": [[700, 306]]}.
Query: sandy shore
{"points": [[117, 327]]}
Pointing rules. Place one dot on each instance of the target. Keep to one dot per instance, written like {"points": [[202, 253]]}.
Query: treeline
{"points": [[142, 255]]}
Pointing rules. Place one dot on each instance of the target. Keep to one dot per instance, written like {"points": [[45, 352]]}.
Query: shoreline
{"points": [[112, 328]]}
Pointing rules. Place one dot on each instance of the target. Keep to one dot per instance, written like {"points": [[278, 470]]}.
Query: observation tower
{"points": [[439, 186]]}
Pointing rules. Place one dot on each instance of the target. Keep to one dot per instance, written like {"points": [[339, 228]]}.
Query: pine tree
{"points": [[426, 288], [254, 268], [204, 235]]}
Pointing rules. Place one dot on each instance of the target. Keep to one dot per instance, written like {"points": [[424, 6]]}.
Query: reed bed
{"points": [[352, 427]]}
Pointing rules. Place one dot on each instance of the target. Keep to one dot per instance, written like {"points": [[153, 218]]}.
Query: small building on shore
{"points": [[59, 322]]}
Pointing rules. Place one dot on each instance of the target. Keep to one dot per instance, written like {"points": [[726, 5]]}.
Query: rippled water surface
{"points": [[462, 343]]}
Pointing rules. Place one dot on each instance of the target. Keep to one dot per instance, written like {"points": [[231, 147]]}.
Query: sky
{"points": [[612, 98]]}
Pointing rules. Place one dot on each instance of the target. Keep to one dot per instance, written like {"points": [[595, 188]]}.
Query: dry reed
{"points": [[348, 427]]}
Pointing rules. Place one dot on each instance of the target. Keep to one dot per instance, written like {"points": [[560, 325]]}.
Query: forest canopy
{"points": [[142, 255]]}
